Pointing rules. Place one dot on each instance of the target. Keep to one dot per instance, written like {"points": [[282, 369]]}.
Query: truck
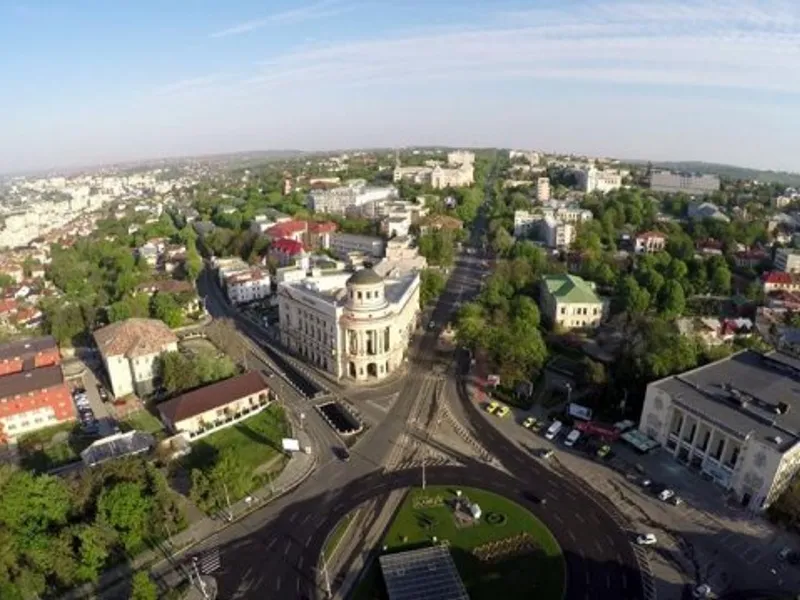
{"points": [[553, 430]]}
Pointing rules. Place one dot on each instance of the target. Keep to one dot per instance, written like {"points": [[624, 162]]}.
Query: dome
{"points": [[365, 277]]}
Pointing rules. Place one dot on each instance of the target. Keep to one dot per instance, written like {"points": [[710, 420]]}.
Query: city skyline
{"points": [[652, 80]]}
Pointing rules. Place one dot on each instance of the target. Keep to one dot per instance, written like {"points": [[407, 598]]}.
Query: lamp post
{"points": [[568, 386]]}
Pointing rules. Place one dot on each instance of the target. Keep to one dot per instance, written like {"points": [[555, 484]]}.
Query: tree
{"points": [[63, 321], [470, 325], [632, 298], [592, 373], [143, 588], [721, 280], [432, 285], [671, 300], [164, 307], [129, 307], [124, 508]]}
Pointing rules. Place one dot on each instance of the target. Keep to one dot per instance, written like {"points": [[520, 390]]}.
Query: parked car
{"points": [[665, 494], [502, 411], [492, 407], [102, 392], [603, 451], [646, 539], [343, 454], [789, 555], [529, 423], [676, 501], [547, 453], [702, 591]]}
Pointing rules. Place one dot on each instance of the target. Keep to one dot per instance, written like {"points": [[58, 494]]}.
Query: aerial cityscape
{"points": [[411, 305]]}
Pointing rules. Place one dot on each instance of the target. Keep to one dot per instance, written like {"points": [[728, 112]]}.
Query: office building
{"points": [[736, 421], [593, 180], [687, 183], [342, 244], [787, 260], [557, 234], [543, 189], [355, 326]]}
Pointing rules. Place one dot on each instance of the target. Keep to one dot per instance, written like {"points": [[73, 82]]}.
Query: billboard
{"points": [[579, 412], [290, 445], [602, 430]]}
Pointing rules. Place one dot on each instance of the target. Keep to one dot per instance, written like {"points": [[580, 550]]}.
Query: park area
{"points": [[505, 552]]}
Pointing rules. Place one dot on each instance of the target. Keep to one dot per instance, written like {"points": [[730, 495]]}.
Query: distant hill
{"points": [[727, 171]]}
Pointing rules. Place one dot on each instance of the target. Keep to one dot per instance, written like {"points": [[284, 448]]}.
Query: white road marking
{"points": [[571, 535], [588, 579], [286, 549], [271, 543], [579, 518], [608, 581], [278, 583], [292, 517], [624, 581], [558, 518]]}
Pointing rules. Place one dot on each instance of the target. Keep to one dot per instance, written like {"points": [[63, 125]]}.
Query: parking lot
{"points": [[91, 410]]}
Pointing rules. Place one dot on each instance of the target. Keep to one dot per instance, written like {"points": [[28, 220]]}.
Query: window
{"points": [[563, 310], [359, 296]]}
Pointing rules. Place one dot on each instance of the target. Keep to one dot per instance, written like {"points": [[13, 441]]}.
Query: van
{"points": [[573, 437], [553, 430]]}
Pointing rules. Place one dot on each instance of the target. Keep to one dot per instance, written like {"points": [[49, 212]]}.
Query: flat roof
{"points": [[746, 394], [30, 381], [424, 574]]}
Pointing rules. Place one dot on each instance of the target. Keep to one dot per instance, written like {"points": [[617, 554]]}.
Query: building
{"points": [[428, 573], [570, 302], [461, 176], [780, 281], [460, 157], [543, 189], [706, 210], [748, 259], [649, 242], [593, 180], [736, 420], [557, 234], [438, 223], [787, 260], [342, 244], [26, 355], [340, 200], [205, 410], [355, 326], [687, 183], [32, 399], [292, 230], [248, 286], [130, 350]]}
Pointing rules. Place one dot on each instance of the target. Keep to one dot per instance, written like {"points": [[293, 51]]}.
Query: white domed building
{"points": [[355, 326]]}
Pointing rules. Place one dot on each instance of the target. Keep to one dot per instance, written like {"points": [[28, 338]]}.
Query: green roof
{"points": [[570, 288]]}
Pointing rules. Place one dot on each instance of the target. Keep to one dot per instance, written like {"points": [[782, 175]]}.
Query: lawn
{"points": [[52, 447], [255, 441], [533, 572], [332, 543], [142, 420]]}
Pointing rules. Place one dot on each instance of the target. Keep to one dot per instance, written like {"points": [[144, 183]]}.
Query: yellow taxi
{"points": [[492, 407]]}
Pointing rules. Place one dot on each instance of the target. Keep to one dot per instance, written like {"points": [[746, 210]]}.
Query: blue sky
{"points": [[88, 82]]}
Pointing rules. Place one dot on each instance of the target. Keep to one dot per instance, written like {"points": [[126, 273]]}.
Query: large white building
{"points": [[342, 244], [130, 351], [736, 420], [553, 226], [355, 326], [543, 189], [460, 172], [247, 286], [340, 200], [557, 234], [594, 180], [787, 260]]}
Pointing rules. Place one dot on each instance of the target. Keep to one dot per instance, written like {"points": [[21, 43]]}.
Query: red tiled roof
{"points": [[777, 277], [322, 227], [287, 229], [287, 246], [7, 305]]}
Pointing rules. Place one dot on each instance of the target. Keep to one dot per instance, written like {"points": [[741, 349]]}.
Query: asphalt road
{"points": [[273, 553]]}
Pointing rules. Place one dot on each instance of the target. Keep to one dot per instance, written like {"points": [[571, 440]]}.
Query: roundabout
{"points": [[281, 557], [499, 547]]}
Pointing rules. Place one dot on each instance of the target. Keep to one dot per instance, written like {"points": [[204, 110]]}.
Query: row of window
{"points": [[581, 310], [26, 424]]}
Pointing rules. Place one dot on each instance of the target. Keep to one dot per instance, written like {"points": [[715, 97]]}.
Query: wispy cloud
{"points": [[311, 12], [740, 44]]}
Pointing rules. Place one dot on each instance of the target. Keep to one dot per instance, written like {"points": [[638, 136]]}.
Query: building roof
{"points": [[30, 381], [288, 246], [210, 397], [442, 222], [167, 286], [779, 277], [651, 235], [748, 393], [117, 446], [365, 277], [322, 227], [287, 229], [423, 574], [571, 288], [26, 349], [134, 337]]}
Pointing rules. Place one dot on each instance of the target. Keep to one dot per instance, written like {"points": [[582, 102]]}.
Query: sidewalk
{"points": [[297, 470]]}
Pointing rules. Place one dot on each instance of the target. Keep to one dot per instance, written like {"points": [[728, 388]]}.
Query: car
{"points": [[534, 498], [547, 453], [603, 451], [529, 423], [665, 494], [102, 392], [646, 539], [676, 501], [789, 555], [492, 407], [431, 324], [646, 483], [343, 454], [502, 411], [702, 591]]}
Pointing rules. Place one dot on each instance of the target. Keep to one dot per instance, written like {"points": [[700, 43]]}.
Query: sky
{"points": [[86, 82]]}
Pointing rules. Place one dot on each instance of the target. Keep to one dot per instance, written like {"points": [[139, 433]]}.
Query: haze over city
{"points": [[93, 82]]}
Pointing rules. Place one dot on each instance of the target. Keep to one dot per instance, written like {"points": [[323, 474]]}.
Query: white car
{"points": [[646, 539], [666, 494], [702, 591]]}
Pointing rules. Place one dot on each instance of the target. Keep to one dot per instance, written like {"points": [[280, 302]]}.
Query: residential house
{"points": [[247, 286], [130, 350], [649, 242], [570, 301], [286, 252], [749, 259], [778, 280], [787, 260], [200, 412]]}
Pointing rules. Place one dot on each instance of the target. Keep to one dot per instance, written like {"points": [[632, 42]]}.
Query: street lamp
{"points": [[569, 392]]}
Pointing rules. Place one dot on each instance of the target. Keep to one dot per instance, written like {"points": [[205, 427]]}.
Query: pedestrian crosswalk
{"points": [[208, 562]]}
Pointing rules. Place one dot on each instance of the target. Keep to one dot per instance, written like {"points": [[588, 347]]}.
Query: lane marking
{"points": [[571, 535], [588, 578], [608, 581], [286, 549], [558, 518]]}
